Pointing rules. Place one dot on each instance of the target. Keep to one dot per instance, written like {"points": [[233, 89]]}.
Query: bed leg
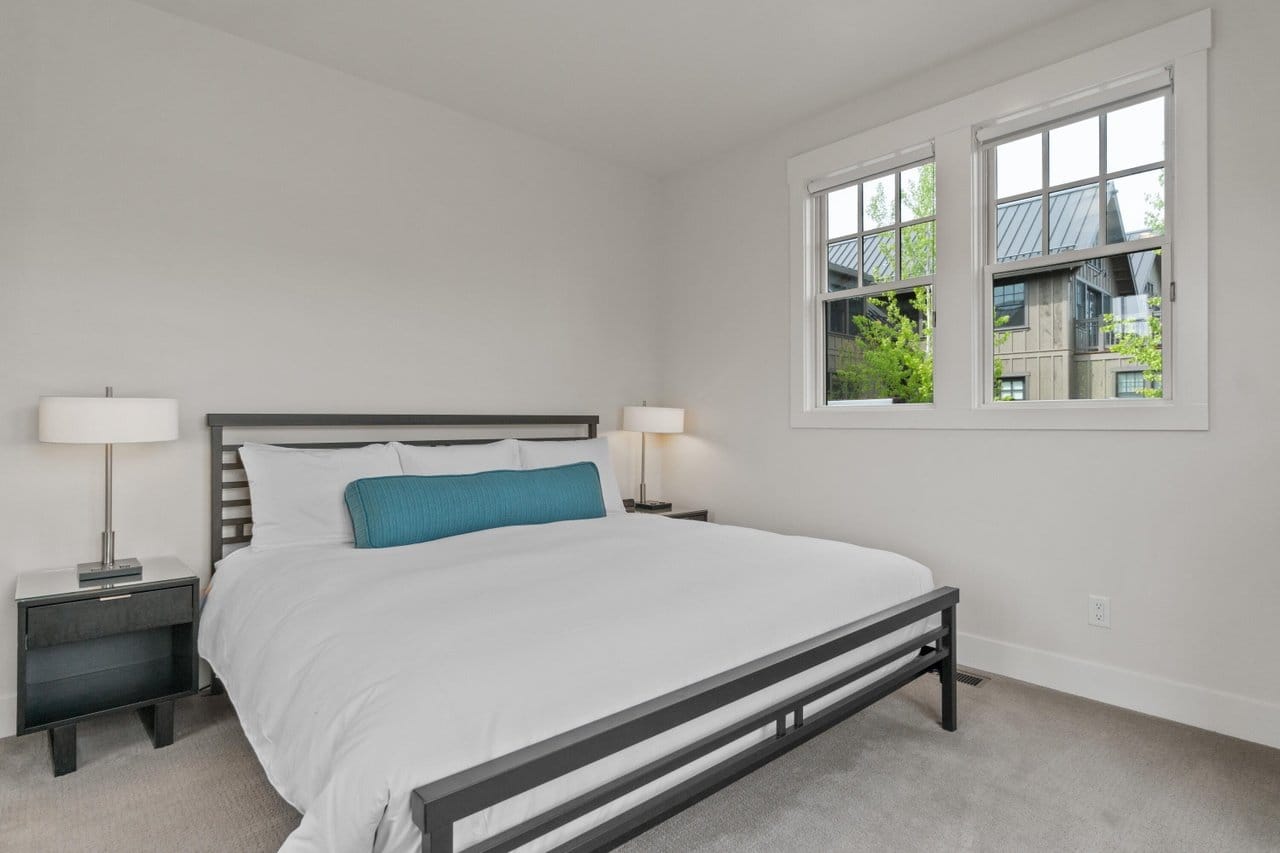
{"points": [[947, 669], [438, 838]]}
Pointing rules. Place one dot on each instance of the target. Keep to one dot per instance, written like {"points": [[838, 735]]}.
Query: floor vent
{"points": [[969, 678]]}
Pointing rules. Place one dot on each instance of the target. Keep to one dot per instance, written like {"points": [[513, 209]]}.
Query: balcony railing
{"points": [[1091, 335]]}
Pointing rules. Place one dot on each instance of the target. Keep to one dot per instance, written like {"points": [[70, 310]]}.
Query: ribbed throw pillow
{"points": [[389, 511]]}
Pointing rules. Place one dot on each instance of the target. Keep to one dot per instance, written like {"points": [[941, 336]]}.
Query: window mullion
{"points": [[1044, 203], [1102, 181], [862, 243], [897, 231]]}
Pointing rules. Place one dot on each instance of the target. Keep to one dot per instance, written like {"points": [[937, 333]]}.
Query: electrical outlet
{"points": [[1100, 611]]}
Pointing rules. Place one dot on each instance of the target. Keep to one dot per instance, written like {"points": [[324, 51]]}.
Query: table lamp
{"points": [[646, 419], [108, 420]]}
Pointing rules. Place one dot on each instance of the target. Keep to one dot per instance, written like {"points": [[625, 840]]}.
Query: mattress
{"points": [[359, 675]]}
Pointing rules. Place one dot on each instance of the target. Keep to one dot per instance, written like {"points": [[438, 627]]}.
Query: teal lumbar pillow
{"points": [[389, 511]]}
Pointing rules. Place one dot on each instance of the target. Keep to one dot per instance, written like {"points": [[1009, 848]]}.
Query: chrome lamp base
{"points": [[123, 568]]}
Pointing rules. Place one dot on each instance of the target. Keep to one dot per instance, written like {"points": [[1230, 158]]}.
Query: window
{"points": [[1010, 305], [1130, 383], [880, 245], [1012, 388], [1076, 211], [1073, 248]]}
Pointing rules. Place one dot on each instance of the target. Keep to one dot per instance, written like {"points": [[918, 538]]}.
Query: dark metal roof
{"points": [[1073, 223], [842, 259]]}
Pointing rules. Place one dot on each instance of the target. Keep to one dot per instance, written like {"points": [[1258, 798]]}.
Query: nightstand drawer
{"points": [[110, 613]]}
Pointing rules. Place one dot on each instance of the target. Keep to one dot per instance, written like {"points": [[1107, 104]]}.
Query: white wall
{"points": [[186, 214], [1179, 529]]}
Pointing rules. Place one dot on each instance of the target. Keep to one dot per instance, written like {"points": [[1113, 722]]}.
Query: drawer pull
{"points": [[116, 597]]}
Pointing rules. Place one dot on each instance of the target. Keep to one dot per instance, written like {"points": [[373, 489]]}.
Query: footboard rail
{"points": [[438, 805]]}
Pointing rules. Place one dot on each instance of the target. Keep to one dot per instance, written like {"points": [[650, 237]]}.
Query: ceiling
{"points": [[653, 84]]}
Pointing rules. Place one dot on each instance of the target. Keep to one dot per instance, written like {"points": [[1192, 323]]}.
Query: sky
{"points": [[1135, 137]]}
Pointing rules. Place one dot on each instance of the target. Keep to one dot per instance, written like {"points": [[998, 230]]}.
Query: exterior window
{"points": [[1077, 228], [1010, 304], [1012, 388], [879, 257], [1129, 383]]}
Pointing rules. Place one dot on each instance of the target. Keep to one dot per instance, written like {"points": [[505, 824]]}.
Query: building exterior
{"points": [[1051, 337], [1055, 344]]}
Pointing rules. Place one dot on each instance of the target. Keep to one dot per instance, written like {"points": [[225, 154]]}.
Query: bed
{"points": [[559, 686]]}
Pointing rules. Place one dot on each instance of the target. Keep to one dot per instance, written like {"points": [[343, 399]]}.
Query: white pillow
{"points": [[297, 494], [458, 458], [549, 454]]}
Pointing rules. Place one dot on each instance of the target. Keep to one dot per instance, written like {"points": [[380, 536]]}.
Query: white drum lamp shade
{"points": [[652, 419], [644, 420], [107, 420]]}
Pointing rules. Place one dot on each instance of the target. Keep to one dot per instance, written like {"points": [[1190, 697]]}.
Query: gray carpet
{"points": [[1029, 770]]}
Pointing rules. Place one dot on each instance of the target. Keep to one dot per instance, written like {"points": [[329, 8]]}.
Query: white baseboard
{"points": [[8, 714], [1227, 713]]}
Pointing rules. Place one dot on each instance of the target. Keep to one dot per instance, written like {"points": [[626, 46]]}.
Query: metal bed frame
{"points": [[439, 804]]}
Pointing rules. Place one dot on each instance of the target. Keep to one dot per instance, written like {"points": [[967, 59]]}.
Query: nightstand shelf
{"points": [[77, 697], [122, 644]]}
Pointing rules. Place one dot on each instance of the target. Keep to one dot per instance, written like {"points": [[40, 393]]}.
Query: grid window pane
{"points": [[1019, 229], [1073, 151], [879, 258], [842, 212], [1073, 219], [919, 250], [879, 201], [1019, 166], [919, 198], [1135, 206], [842, 264], [879, 349], [1135, 135]]}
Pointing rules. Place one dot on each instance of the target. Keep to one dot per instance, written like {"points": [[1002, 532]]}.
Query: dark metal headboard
{"points": [[229, 492]]}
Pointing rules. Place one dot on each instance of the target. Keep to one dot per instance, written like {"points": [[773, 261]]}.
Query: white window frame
{"points": [[900, 163], [962, 366]]}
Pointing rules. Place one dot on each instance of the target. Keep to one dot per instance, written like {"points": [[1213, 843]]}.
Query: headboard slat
{"points": [[220, 465]]}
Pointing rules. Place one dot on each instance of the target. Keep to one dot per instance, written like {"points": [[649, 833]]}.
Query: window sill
{"points": [[1115, 415]]}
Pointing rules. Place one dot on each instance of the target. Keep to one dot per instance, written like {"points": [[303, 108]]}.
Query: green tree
{"points": [[997, 369], [1153, 217], [1144, 350], [892, 357]]}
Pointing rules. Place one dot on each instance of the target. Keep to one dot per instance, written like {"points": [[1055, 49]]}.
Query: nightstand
{"points": [[676, 511], [123, 643]]}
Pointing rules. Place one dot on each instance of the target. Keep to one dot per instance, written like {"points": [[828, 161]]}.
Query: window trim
{"points": [[959, 284]]}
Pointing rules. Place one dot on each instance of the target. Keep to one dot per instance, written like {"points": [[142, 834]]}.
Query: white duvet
{"points": [[360, 675]]}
